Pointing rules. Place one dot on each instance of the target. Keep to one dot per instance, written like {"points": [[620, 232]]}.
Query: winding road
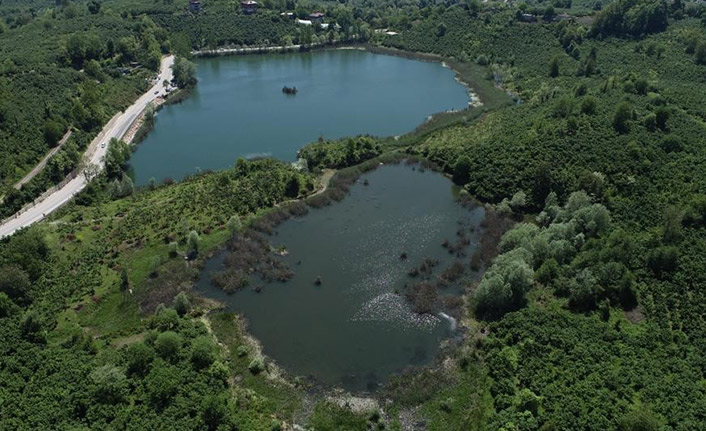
{"points": [[93, 157]]}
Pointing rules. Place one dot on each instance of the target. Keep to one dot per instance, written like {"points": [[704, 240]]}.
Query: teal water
{"points": [[238, 108], [357, 328]]}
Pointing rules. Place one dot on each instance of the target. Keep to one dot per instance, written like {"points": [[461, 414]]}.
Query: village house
{"points": [[195, 6], [316, 17], [249, 6]]}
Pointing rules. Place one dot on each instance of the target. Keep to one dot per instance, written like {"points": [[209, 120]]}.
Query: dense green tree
{"points": [[184, 73], [15, 283], [193, 241], [214, 410], [53, 131], [168, 345], [94, 6], [663, 260], [162, 384], [622, 116], [234, 224], [139, 357], [700, 53], [554, 67], [639, 419], [202, 352], [110, 384], [182, 305], [462, 170]]}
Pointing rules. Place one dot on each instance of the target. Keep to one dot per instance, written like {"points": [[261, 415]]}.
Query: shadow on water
{"points": [[345, 316]]}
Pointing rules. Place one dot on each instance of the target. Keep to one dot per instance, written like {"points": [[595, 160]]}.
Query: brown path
{"points": [[43, 163]]}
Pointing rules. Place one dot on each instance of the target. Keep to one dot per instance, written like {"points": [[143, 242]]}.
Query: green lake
{"points": [[238, 108], [357, 327]]}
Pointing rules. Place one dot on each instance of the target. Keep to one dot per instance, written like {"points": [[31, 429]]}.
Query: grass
{"points": [[282, 398]]}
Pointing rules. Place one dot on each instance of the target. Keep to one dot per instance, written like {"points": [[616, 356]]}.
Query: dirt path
{"points": [[325, 179], [40, 166], [93, 158]]}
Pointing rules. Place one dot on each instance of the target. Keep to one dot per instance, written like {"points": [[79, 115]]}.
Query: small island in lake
{"points": [[289, 90]]}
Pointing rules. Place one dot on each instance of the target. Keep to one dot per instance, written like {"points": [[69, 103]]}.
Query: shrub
{"points": [[15, 283], [168, 345], [7, 307], [256, 366], [139, 357], [554, 67], [671, 144], [182, 305], [639, 420], [193, 241], [162, 383], [214, 410], [700, 53], [462, 170], [234, 225], [661, 116], [242, 351], [548, 271], [588, 105], [518, 201], [623, 114], [173, 249], [663, 260], [109, 384], [202, 352]]}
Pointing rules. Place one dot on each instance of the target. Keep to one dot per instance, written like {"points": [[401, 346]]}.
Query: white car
{"points": [[103, 145]]}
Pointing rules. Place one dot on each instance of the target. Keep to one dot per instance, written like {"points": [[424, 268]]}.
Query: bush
{"points": [[462, 170], [623, 114], [182, 305], [162, 384], [639, 420], [548, 271], [234, 225], [173, 249], [193, 241], [15, 283], [588, 105], [214, 410], [139, 357], [554, 67], [168, 345], [109, 384], [256, 366], [7, 307], [663, 260], [202, 352], [700, 53]]}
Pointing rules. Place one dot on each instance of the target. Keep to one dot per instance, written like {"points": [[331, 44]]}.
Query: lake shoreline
{"points": [[475, 100], [272, 217], [465, 103]]}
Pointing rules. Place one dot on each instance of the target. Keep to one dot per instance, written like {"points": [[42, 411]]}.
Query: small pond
{"points": [[238, 108], [357, 327]]}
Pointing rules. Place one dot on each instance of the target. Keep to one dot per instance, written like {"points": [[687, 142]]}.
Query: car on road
{"points": [[103, 145]]}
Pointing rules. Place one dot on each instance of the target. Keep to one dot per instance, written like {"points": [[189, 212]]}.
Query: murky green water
{"points": [[238, 108], [354, 330]]}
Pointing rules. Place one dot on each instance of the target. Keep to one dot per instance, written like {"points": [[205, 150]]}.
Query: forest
{"points": [[591, 316]]}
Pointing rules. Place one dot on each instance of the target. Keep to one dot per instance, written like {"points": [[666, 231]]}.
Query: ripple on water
{"points": [[393, 309]]}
